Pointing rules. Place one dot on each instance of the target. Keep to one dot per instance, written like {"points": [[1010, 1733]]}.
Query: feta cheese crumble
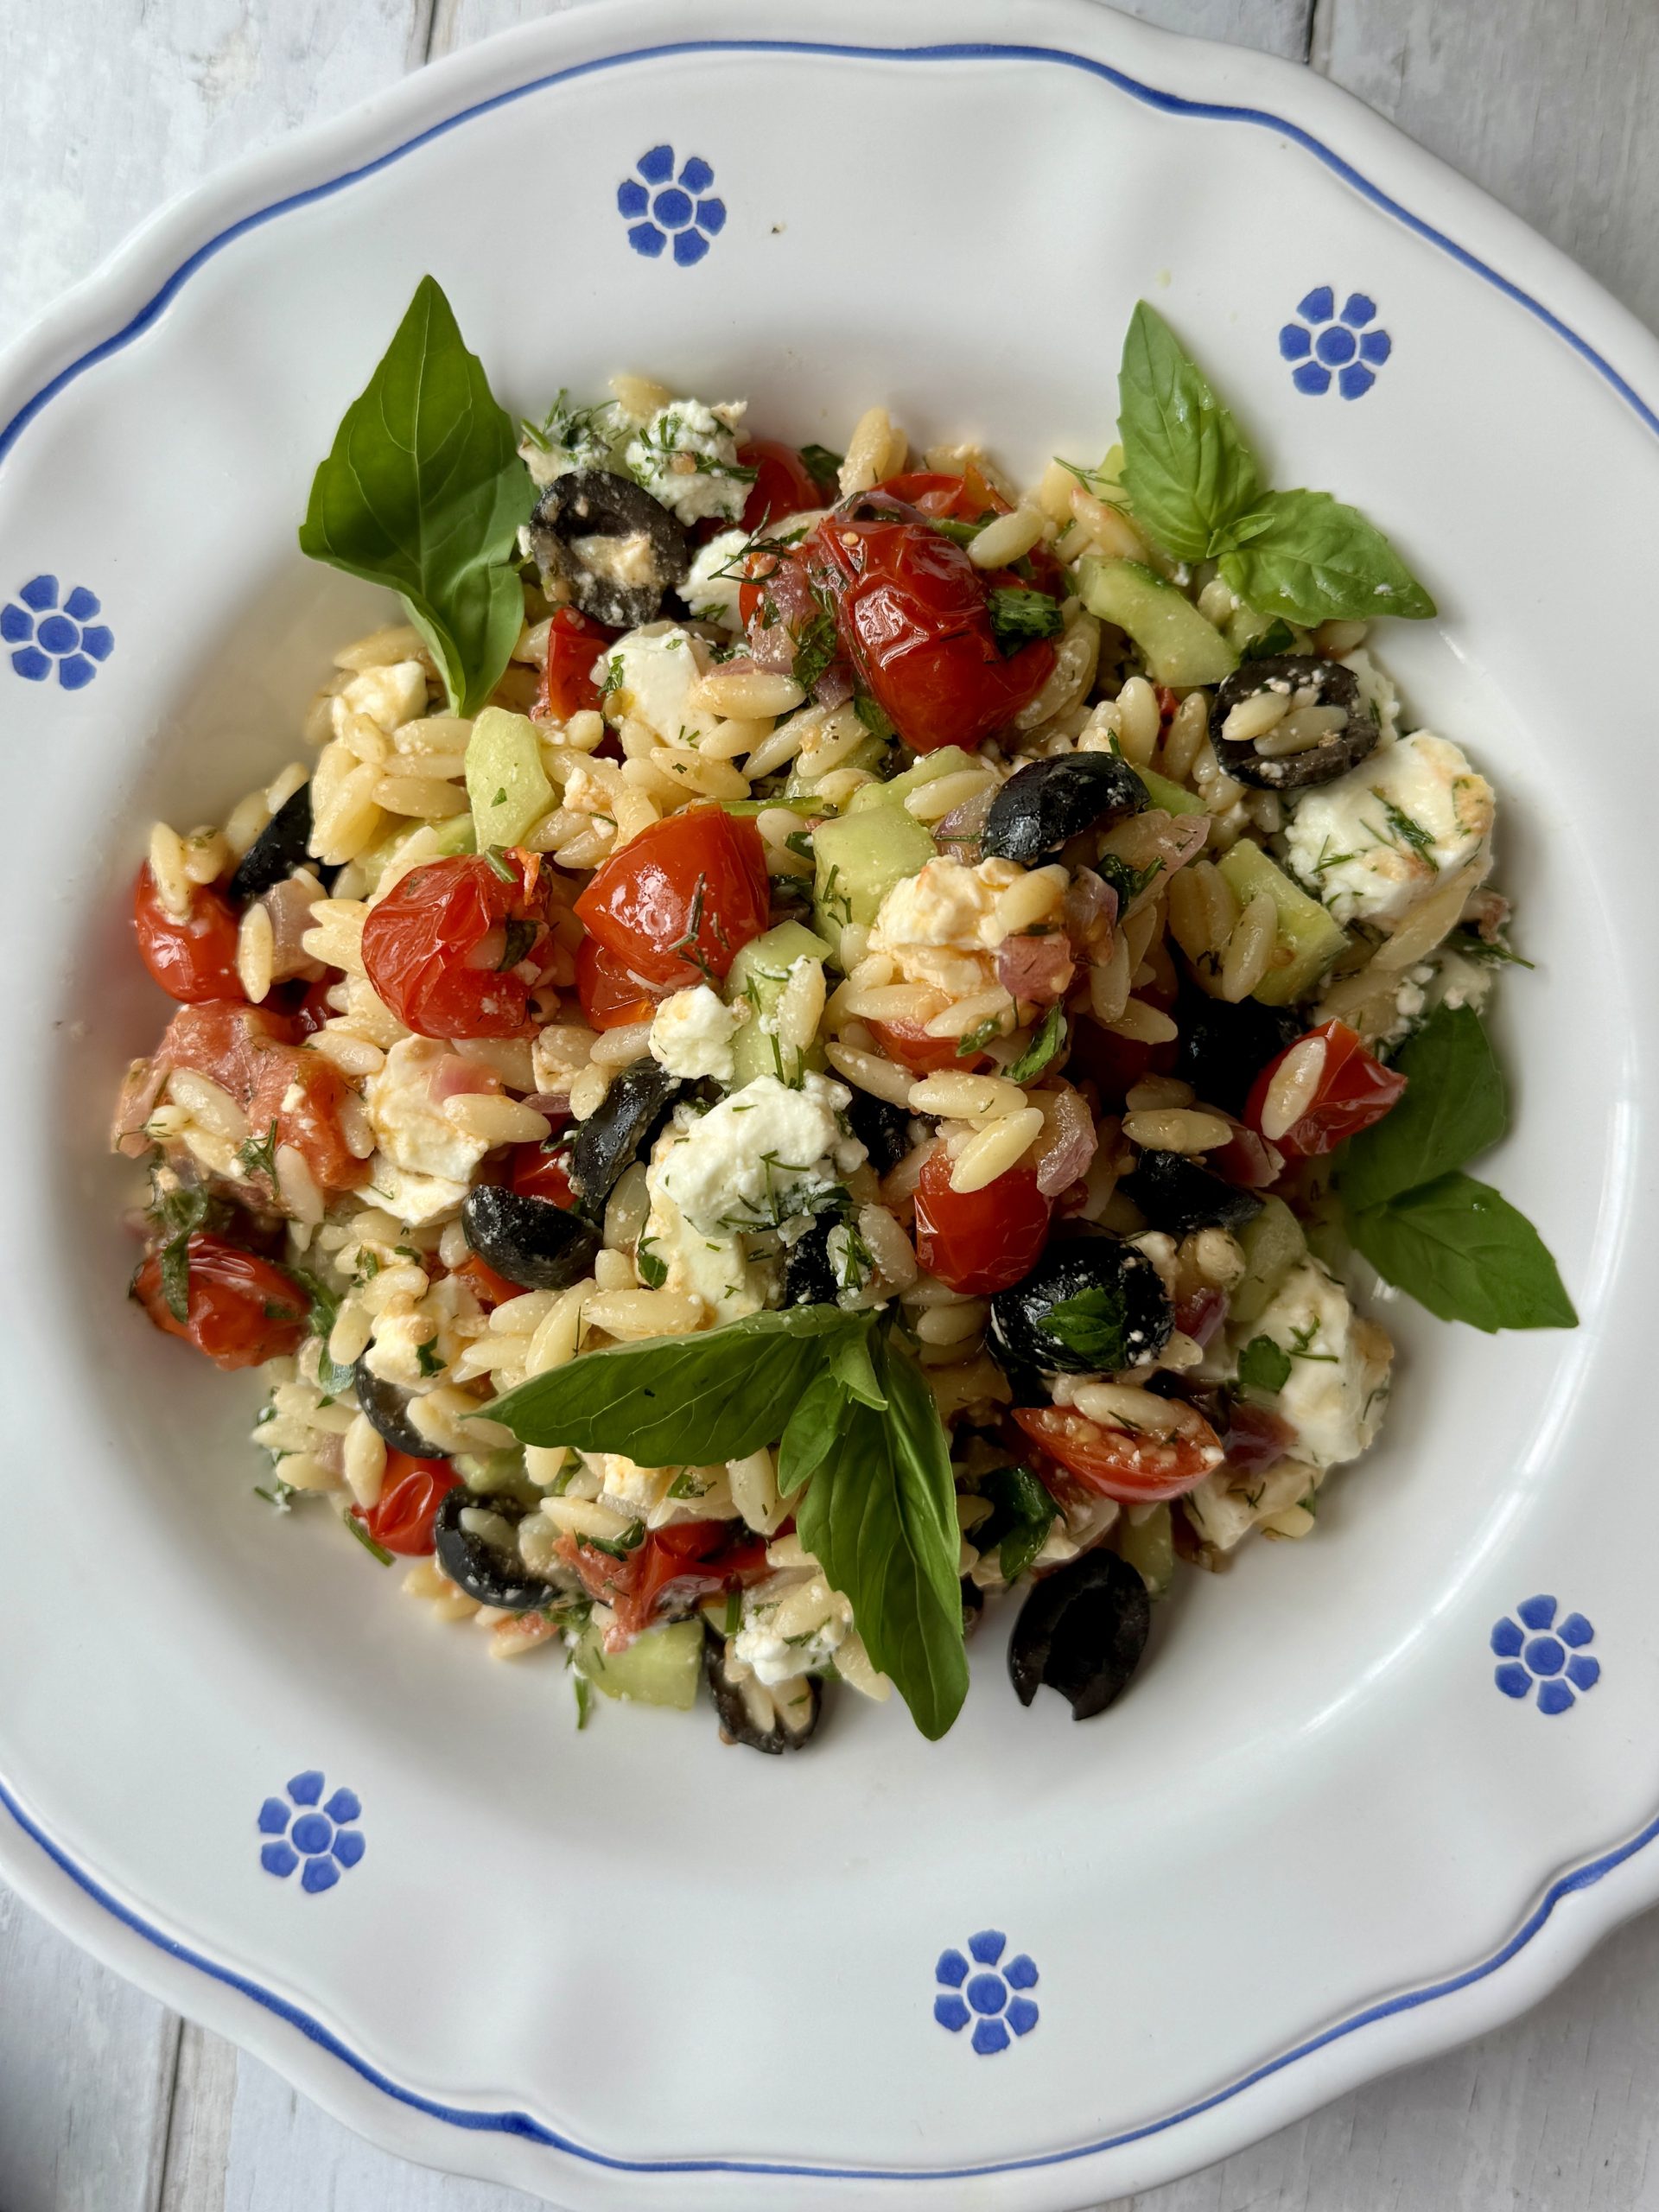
{"points": [[709, 591], [763, 1155], [1373, 843], [691, 1034], [686, 457], [1339, 1362], [651, 673], [570, 438], [937, 925], [410, 1128]]}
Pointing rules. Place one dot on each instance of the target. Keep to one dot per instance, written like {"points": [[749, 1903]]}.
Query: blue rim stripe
{"points": [[1165, 103], [534, 2131], [518, 2123]]}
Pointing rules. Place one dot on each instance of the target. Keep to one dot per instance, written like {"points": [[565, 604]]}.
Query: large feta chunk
{"points": [[410, 1128], [686, 457], [711, 1265], [1373, 843], [1339, 1362], [654, 671], [765, 1644], [762, 1155], [947, 913], [1225, 1506], [711, 586], [389, 696], [691, 1034], [417, 1199]]}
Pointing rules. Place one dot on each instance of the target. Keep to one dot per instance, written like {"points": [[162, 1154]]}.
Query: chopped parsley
{"points": [[429, 1359], [653, 1270], [823, 467], [874, 718], [979, 1036], [815, 648], [1018, 615], [1264, 1365], [259, 1156], [1127, 882]]}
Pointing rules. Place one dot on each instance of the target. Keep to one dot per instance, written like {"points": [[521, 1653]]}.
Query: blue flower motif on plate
{"points": [[1538, 1651], [1326, 346], [659, 206], [984, 1988], [42, 630], [301, 1830]]}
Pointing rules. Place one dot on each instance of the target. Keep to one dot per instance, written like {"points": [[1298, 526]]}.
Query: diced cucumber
{"points": [[1272, 1244], [759, 974], [451, 837], [505, 781], [1170, 797], [1149, 1547], [458, 835], [860, 857], [949, 760], [868, 754], [1177, 643], [661, 1667], [1313, 939], [746, 809]]}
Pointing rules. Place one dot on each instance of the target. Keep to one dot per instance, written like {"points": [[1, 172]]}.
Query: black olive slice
{"points": [[611, 1138], [736, 1724], [1333, 755], [1048, 802], [1224, 1046], [486, 1570], [385, 1406], [616, 547], [881, 1128], [528, 1240], [1116, 1311], [1083, 1632], [281, 847], [1175, 1193], [809, 1279]]}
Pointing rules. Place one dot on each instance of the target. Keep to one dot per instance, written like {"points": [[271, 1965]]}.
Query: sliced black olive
{"points": [[1050, 801], [385, 1406], [280, 847], [492, 1573], [1224, 1046], [1175, 1193], [809, 1279], [1081, 1630], [1090, 1306], [1333, 755], [615, 547], [973, 1605], [736, 1724], [882, 1128], [612, 1137], [528, 1240]]}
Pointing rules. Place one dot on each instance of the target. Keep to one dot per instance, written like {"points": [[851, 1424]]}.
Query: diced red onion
{"points": [[289, 904], [772, 649], [836, 686], [1036, 969], [1069, 1152], [1246, 1159], [455, 1077], [1090, 912], [962, 828], [141, 1087], [1202, 1313], [1255, 1438]]}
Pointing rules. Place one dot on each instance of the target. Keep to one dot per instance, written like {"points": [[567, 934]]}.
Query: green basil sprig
{"points": [[1198, 489], [425, 492], [1456, 1245]]}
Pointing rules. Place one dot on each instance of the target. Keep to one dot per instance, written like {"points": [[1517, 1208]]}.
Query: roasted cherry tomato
{"points": [[1161, 1460], [611, 997], [240, 1309], [411, 1491], [574, 642], [979, 1240], [693, 1557], [909, 1044], [1114, 1064], [679, 900], [537, 1175], [489, 1288], [192, 960], [1348, 1091], [783, 485], [967, 498], [256, 1055], [454, 949]]}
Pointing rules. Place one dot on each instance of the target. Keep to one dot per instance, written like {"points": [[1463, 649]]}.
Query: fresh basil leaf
{"points": [[334, 1379], [812, 1432], [1023, 1513], [1094, 1324], [851, 1365], [1455, 1105], [1264, 1365], [1046, 1045], [1318, 561], [880, 1517], [681, 1400], [425, 492], [874, 718], [1277, 639], [1467, 1254], [823, 467], [1018, 615], [1187, 468]]}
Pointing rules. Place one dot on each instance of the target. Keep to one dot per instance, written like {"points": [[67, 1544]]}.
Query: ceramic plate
{"points": [[1325, 1834]]}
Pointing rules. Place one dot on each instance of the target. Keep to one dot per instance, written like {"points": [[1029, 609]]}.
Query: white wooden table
{"points": [[108, 2102]]}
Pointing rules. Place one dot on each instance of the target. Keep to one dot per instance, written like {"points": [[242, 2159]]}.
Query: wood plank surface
{"points": [[107, 2102]]}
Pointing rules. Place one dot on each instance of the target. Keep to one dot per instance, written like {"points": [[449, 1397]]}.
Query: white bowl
{"points": [[632, 1967]]}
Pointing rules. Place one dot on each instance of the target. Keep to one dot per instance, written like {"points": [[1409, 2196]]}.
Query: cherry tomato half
{"points": [[678, 901], [784, 484], [611, 997], [401, 1518], [979, 1240], [967, 498], [1350, 1091], [696, 1557], [256, 1055], [537, 1175], [574, 641], [1140, 1467], [240, 1309], [909, 1044], [192, 960], [454, 949]]}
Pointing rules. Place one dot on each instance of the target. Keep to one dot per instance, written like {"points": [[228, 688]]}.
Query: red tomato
{"points": [[241, 1309], [979, 1240], [693, 1557], [487, 1287], [314, 1009], [256, 1055], [401, 1518], [1246, 1159], [1115, 1063], [789, 588], [192, 960], [574, 642], [680, 900], [908, 1043], [1351, 1091], [611, 997], [1139, 1467], [538, 1174], [454, 950], [784, 484], [967, 498]]}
